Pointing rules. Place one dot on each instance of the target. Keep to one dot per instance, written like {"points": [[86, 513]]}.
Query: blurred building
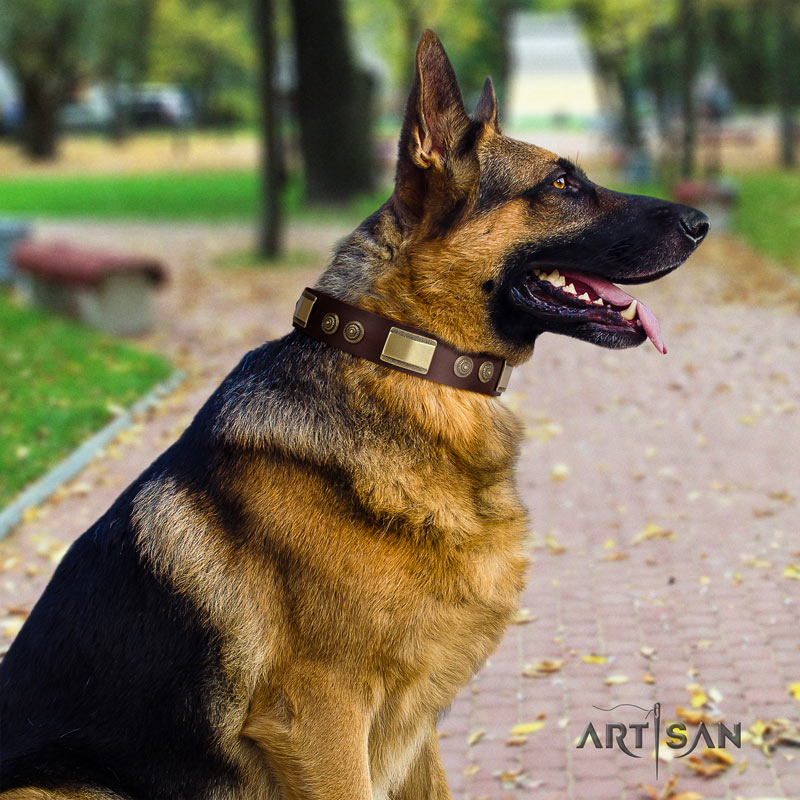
{"points": [[551, 76]]}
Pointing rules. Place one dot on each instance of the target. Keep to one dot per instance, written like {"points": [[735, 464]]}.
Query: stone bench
{"points": [[109, 291], [11, 232]]}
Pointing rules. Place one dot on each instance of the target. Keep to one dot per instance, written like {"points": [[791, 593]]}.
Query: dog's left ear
{"points": [[434, 126], [486, 110]]}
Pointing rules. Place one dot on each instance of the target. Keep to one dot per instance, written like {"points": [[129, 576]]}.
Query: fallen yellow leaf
{"points": [[593, 659], [542, 668], [475, 737], [652, 531], [794, 690], [615, 680], [559, 472], [525, 728], [699, 699], [792, 571], [715, 754]]}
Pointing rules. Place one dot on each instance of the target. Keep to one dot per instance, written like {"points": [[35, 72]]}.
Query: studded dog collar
{"points": [[397, 346]]}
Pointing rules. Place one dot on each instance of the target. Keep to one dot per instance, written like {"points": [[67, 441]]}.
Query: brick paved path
{"points": [[663, 495]]}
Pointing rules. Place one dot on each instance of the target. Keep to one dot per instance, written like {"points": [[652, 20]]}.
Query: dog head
{"points": [[503, 240]]}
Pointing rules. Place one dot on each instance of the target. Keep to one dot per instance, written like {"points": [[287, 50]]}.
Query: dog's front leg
{"points": [[426, 780], [314, 737]]}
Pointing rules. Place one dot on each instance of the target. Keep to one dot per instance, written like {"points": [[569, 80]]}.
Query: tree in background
{"points": [[206, 45], [617, 31], [54, 45], [41, 39], [334, 104], [270, 222], [474, 32], [788, 78], [689, 36]]}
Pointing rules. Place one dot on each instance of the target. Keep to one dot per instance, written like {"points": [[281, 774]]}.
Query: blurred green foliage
{"points": [[205, 45], [59, 382], [768, 214]]}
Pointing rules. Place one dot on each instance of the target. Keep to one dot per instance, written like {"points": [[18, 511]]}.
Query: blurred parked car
{"points": [[155, 106], [92, 110]]}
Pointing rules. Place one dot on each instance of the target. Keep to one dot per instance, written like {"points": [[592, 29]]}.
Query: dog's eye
{"points": [[560, 182]]}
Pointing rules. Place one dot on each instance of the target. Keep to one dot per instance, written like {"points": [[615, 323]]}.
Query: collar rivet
{"points": [[330, 322], [353, 332], [463, 366]]}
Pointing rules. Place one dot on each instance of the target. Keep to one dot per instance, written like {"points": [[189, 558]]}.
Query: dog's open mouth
{"points": [[592, 301]]}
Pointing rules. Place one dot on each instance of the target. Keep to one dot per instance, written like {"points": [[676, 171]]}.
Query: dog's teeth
{"points": [[570, 288], [584, 296], [556, 278], [599, 301], [630, 312]]}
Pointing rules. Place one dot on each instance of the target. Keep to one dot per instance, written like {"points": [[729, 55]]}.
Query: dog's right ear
{"points": [[486, 110], [434, 125]]}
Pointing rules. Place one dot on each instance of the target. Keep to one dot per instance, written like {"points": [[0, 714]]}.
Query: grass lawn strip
{"points": [[210, 195], [59, 383]]}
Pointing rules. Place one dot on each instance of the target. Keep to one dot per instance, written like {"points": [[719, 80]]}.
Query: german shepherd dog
{"points": [[284, 603]]}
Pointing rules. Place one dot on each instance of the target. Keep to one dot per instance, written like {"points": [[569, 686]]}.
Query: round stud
{"points": [[330, 322], [485, 372], [463, 366], [353, 332]]}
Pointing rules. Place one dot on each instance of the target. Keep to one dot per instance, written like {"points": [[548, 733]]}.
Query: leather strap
{"points": [[397, 346]]}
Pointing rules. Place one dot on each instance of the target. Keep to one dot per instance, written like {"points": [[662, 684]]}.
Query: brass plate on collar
{"points": [[408, 350], [302, 311]]}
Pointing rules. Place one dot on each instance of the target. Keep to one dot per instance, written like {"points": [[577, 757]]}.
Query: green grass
{"points": [[768, 215], [59, 383], [211, 195], [171, 196]]}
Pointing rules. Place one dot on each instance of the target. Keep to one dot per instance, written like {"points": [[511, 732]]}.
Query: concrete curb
{"points": [[36, 493]]}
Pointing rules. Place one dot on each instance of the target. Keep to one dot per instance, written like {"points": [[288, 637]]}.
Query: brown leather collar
{"points": [[397, 346]]}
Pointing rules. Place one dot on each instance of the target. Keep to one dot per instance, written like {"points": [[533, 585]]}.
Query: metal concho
{"points": [[463, 366], [353, 332], [485, 372], [329, 324]]}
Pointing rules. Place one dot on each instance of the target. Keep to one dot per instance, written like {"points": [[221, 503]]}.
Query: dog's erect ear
{"points": [[435, 116], [486, 110], [434, 125]]}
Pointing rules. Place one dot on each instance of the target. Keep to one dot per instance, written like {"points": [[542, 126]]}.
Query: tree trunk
{"points": [[39, 133], [688, 22], [270, 226], [788, 148], [334, 101]]}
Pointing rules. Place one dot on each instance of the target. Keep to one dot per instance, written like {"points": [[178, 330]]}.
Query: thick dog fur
{"points": [[285, 602]]}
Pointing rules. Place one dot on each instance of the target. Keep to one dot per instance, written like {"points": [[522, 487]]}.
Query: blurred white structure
{"points": [[551, 72]]}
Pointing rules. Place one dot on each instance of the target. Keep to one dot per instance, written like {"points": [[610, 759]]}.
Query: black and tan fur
{"points": [[285, 602]]}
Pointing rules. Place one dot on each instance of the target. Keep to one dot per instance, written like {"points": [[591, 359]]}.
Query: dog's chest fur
{"points": [[383, 540]]}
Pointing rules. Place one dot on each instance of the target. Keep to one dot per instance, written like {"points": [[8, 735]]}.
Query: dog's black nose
{"points": [[694, 225]]}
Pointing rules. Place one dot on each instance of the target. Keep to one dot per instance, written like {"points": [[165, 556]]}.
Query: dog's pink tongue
{"points": [[614, 295]]}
